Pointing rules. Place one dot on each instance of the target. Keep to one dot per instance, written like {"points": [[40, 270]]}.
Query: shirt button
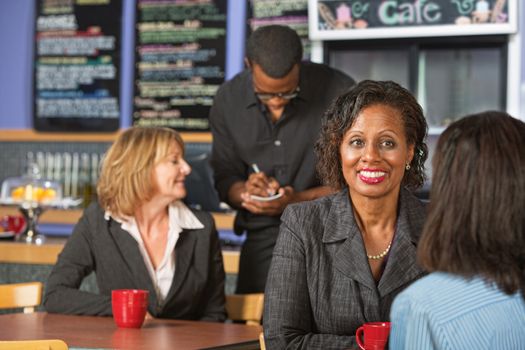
{"points": [[277, 143]]}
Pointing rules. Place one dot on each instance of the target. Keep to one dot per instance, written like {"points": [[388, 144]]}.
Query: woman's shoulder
{"points": [[203, 216], [312, 217], [208, 228], [415, 212], [427, 284], [413, 203], [92, 223], [424, 294], [94, 208], [310, 210], [439, 288], [442, 292], [93, 212]]}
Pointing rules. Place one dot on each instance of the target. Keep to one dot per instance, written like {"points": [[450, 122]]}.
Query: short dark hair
{"points": [[276, 49], [476, 220], [341, 115]]}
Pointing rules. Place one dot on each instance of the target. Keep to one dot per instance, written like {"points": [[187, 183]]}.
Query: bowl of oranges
{"points": [[33, 193], [19, 190]]}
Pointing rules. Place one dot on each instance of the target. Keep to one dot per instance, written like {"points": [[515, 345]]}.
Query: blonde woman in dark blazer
{"points": [[141, 236], [340, 260]]}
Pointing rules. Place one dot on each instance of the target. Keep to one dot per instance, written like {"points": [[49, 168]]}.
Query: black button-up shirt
{"points": [[243, 134]]}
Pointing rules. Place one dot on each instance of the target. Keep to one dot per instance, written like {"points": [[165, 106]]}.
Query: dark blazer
{"points": [[320, 288], [197, 290]]}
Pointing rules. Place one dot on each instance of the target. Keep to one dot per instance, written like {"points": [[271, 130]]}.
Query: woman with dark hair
{"points": [[140, 235], [473, 242], [340, 260]]}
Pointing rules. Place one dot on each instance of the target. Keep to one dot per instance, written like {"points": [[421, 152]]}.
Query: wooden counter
{"points": [[47, 254], [22, 253]]}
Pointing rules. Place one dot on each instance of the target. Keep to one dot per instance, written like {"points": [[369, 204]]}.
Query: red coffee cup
{"points": [[13, 223], [129, 307], [375, 335]]}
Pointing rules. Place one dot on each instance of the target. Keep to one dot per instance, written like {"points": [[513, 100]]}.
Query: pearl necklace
{"points": [[380, 255]]}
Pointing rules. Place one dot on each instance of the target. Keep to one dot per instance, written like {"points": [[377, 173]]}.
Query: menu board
{"points": [[180, 59], [292, 13], [362, 19], [76, 70]]}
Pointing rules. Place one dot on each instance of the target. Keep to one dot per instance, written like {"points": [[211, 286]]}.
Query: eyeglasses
{"points": [[266, 96]]}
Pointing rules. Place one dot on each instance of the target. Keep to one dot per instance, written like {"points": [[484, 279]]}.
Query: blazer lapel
{"points": [[133, 259], [184, 250], [402, 267], [341, 228]]}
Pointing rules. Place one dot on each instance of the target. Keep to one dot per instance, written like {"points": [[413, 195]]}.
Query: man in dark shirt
{"points": [[265, 122]]}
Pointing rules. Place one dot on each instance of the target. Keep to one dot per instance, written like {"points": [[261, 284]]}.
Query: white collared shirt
{"points": [[180, 217]]}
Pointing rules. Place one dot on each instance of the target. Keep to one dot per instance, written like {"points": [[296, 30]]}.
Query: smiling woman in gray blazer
{"points": [[139, 235], [340, 260]]}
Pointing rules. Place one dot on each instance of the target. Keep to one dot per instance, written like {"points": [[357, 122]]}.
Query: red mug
{"points": [[13, 223], [129, 307], [375, 335]]}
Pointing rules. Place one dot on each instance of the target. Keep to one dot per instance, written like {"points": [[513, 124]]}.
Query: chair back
{"points": [[261, 341], [21, 295], [231, 262], [50, 344], [245, 307]]}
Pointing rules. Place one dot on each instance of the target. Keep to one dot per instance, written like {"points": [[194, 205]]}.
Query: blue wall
{"points": [[16, 57]]}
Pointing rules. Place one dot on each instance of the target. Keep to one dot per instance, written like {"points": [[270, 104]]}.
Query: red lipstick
{"points": [[371, 176]]}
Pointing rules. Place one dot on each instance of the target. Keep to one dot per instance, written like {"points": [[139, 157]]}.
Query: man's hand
{"points": [[261, 185], [272, 208], [258, 184]]}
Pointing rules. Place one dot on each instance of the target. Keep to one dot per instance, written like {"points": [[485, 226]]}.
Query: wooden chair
{"points": [[261, 341], [21, 295], [51, 344], [245, 307], [231, 262]]}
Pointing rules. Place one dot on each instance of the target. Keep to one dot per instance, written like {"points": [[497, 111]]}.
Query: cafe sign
{"points": [[362, 19]]}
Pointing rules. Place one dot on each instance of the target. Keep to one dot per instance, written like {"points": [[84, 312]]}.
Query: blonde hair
{"points": [[126, 177]]}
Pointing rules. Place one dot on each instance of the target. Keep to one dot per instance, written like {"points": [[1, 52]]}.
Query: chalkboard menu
{"points": [[77, 59], [361, 19], [292, 13], [180, 59]]}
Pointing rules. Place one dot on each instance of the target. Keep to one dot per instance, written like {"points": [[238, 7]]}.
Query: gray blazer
{"points": [[320, 288], [197, 290]]}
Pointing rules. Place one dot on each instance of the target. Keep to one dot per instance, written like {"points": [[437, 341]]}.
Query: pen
{"points": [[257, 170]]}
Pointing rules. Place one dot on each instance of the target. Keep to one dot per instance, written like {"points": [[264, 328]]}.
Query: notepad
{"points": [[266, 199]]}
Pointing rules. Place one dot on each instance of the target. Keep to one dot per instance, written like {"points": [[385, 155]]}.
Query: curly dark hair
{"points": [[341, 115], [476, 220]]}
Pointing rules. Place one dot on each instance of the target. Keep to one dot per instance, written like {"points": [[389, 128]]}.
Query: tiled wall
{"points": [[201, 193], [13, 155]]}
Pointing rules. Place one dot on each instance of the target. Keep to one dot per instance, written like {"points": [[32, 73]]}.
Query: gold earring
{"points": [[407, 167]]}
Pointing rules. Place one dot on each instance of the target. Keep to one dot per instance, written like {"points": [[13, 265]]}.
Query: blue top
{"points": [[444, 311]]}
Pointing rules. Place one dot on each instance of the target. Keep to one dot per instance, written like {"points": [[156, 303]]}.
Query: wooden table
{"points": [[101, 332]]}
